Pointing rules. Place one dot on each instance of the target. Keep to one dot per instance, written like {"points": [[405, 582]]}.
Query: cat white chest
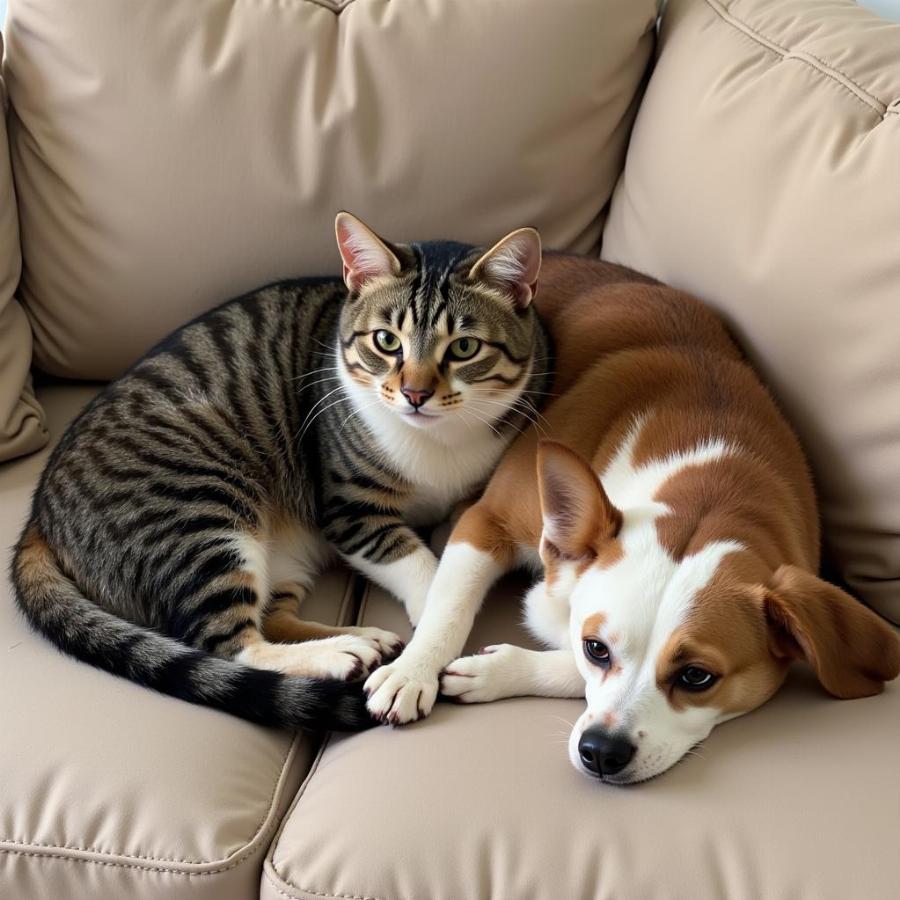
{"points": [[443, 476], [444, 466]]}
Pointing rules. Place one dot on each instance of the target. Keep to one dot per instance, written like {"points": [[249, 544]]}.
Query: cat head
{"points": [[437, 335]]}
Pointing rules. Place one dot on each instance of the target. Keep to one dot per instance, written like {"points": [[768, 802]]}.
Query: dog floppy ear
{"points": [[577, 513], [852, 651]]}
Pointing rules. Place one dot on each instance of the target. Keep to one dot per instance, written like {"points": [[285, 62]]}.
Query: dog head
{"points": [[670, 646]]}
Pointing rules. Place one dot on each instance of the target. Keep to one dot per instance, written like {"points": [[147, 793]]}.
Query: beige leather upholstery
{"points": [[21, 419], [764, 176], [108, 790], [169, 155], [798, 799]]}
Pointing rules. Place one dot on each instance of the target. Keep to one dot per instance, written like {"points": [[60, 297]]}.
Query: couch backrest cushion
{"points": [[21, 419], [764, 176], [169, 155]]}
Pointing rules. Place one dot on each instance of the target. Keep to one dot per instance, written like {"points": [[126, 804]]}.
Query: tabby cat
{"points": [[186, 511]]}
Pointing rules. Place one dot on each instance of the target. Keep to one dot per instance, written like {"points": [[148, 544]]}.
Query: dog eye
{"points": [[597, 652], [693, 678], [463, 348]]}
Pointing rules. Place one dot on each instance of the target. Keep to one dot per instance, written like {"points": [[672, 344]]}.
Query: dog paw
{"points": [[480, 678], [400, 693]]}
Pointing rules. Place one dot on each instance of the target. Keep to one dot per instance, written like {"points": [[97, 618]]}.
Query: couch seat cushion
{"points": [[108, 790], [799, 799]]}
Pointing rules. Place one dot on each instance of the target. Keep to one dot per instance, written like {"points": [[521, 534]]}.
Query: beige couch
{"points": [[763, 173]]}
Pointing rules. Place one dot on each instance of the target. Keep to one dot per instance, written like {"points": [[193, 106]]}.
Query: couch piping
{"points": [[261, 832], [813, 61]]}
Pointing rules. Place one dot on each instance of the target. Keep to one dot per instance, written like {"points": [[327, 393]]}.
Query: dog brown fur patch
{"points": [[592, 626], [724, 633]]}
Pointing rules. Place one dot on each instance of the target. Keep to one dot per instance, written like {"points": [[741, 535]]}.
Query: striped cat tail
{"points": [[56, 608]]}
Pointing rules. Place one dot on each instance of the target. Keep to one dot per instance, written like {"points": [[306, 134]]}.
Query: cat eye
{"points": [[597, 652], [694, 678], [463, 348], [387, 341]]}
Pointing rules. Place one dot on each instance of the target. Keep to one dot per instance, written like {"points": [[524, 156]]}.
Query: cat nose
{"points": [[414, 397]]}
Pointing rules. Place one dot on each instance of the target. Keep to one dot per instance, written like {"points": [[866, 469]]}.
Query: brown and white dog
{"points": [[675, 521]]}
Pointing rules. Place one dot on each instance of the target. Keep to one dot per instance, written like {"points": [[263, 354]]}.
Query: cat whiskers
{"points": [[311, 384], [466, 411], [312, 415], [358, 410], [329, 347], [539, 420], [316, 372], [528, 411], [540, 393]]}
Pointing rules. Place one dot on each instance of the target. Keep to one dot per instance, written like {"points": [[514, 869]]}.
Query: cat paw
{"points": [[388, 644], [481, 678], [400, 693], [345, 657]]}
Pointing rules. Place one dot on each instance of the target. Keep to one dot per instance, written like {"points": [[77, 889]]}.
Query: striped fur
{"points": [[186, 511]]}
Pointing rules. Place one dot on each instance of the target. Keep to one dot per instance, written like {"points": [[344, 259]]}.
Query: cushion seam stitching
{"points": [[121, 865], [313, 769], [813, 61], [271, 861]]}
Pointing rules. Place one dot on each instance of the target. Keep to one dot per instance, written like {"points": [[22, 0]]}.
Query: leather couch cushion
{"points": [[22, 426], [764, 176], [108, 790], [169, 155], [798, 799]]}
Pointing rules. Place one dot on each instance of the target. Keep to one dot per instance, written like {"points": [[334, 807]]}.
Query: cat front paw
{"points": [[401, 692], [344, 657], [388, 644]]}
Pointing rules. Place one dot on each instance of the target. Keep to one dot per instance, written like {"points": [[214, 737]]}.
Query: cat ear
{"points": [[513, 263], [365, 255]]}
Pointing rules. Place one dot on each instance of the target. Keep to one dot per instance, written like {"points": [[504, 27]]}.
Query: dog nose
{"points": [[602, 753], [414, 397]]}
